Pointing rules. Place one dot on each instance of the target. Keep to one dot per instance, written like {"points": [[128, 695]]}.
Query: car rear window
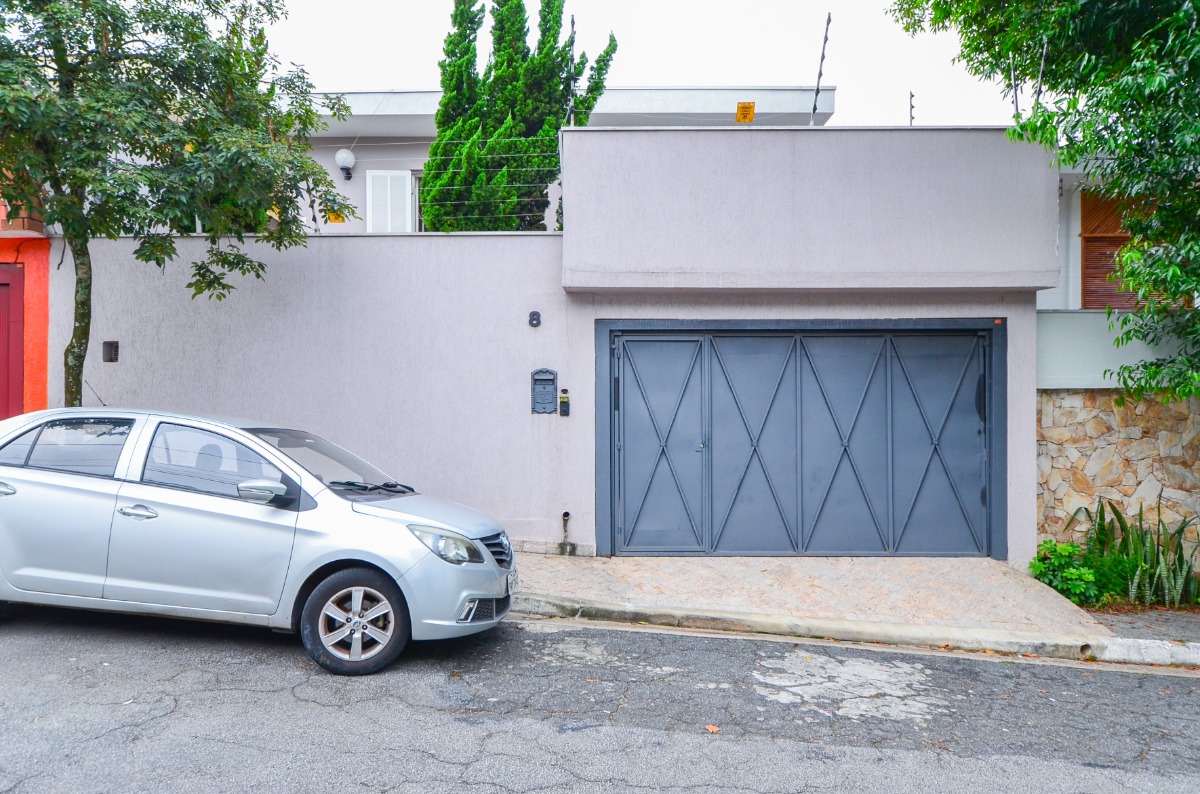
{"points": [[83, 446]]}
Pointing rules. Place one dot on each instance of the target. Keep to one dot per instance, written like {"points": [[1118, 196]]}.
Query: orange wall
{"points": [[34, 253]]}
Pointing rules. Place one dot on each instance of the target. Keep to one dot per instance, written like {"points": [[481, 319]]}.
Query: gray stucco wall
{"points": [[807, 208], [416, 352]]}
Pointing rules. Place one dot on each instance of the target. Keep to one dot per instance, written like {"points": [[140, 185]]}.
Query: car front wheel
{"points": [[355, 622]]}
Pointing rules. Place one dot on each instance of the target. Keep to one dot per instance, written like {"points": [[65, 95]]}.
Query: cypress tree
{"points": [[460, 80], [496, 151]]}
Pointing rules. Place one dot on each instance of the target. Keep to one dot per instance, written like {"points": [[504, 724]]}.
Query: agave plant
{"points": [[1148, 562]]}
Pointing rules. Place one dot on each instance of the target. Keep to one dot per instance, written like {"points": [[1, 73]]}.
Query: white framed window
{"points": [[418, 222], [389, 202]]}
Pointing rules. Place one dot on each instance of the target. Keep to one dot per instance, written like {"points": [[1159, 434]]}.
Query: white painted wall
{"points": [[1068, 293], [807, 208], [1075, 349], [416, 352]]}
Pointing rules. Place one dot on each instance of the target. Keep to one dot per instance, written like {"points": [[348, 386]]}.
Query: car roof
{"points": [[234, 422]]}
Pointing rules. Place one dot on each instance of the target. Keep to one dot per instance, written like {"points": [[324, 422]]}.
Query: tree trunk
{"points": [[81, 334]]}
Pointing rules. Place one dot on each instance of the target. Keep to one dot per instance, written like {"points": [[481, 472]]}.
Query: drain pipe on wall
{"points": [[566, 548]]}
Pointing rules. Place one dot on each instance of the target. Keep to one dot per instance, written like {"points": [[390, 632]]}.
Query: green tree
{"points": [[1116, 88], [155, 118], [496, 151]]}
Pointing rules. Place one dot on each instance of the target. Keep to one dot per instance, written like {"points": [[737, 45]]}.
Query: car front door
{"points": [[57, 493], [182, 536]]}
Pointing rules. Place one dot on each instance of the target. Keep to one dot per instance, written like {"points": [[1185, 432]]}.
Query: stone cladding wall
{"points": [[1090, 448]]}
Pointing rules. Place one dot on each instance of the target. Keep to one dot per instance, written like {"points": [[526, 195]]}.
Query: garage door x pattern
{"points": [[801, 443]]}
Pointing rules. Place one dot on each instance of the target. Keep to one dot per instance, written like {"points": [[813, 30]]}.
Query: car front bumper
{"points": [[446, 601]]}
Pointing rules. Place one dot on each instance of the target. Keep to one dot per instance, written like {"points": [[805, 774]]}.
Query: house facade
{"points": [[774, 339]]}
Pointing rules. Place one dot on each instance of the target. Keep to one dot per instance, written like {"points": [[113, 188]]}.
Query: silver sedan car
{"points": [[167, 514]]}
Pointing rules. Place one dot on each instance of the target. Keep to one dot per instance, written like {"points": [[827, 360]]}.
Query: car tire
{"points": [[355, 622]]}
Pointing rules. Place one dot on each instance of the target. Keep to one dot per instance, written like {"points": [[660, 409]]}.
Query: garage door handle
{"points": [[6, 489], [137, 511]]}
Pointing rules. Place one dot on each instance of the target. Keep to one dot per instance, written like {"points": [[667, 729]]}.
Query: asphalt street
{"points": [[103, 703]]}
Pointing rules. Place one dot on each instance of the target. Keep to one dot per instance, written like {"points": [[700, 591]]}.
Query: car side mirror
{"points": [[261, 491]]}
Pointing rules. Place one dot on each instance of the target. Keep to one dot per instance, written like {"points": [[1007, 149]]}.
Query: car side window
{"points": [[16, 451], [186, 457], [83, 446]]}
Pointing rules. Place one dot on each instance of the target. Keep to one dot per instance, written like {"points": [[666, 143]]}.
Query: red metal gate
{"points": [[11, 340]]}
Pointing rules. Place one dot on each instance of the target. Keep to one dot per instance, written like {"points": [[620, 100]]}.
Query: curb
{"points": [[1053, 646], [1126, 651]]}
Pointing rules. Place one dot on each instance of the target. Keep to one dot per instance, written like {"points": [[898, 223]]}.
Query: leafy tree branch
{"points": [[1116, 90]]}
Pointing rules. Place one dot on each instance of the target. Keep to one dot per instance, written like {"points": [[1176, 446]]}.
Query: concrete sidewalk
{"points": [[964, 603]]}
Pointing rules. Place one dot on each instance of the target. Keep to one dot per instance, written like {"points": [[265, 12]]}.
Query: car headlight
{"points": [[450, 546]]}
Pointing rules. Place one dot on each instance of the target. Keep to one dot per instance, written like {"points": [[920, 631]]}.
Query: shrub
{"points": [[1058, 565]]}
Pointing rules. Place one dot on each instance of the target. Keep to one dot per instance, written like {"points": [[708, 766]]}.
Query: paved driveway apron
{"points": [[949, 592]]}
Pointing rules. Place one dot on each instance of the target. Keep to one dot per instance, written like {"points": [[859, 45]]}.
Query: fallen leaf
{"points": [[712, 729]]}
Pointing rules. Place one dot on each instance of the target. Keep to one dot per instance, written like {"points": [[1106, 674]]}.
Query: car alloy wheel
{"points": [[355, 622]]}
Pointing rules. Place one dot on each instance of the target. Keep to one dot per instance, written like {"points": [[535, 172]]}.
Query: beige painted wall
{"points": [[416, 352]]}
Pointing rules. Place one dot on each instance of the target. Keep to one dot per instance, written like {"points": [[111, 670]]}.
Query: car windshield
{"points": [[339, 469]]}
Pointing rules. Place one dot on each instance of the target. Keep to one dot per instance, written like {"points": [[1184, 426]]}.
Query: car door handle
{"points": [[137, 511], [6, 489]]}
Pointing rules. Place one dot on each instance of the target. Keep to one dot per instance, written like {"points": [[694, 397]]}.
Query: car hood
{"points": [[421, 509]]}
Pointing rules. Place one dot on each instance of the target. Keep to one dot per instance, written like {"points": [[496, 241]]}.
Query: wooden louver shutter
{"points": [[1099, 256], [1102, 237]]}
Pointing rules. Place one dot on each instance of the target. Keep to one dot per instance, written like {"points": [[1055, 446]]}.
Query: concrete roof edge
{"points": [[611, 88], [794, 128]]}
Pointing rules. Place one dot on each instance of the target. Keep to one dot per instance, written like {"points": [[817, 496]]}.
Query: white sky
{"points": [[373, 45]]}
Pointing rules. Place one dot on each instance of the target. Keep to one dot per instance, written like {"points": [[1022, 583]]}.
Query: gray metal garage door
{"points": [[823, 442]]}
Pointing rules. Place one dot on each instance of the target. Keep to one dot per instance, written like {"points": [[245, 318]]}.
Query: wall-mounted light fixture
{"points": [[345, 161]]}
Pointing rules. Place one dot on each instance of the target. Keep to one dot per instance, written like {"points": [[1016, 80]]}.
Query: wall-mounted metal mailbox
{"points": [[544, 391]]}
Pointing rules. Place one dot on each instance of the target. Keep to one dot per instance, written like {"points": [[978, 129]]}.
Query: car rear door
{"points": [[182, 537], [58, 487]]}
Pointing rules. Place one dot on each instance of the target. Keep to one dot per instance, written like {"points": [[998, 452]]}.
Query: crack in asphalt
{"points": [[174, 701]]}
